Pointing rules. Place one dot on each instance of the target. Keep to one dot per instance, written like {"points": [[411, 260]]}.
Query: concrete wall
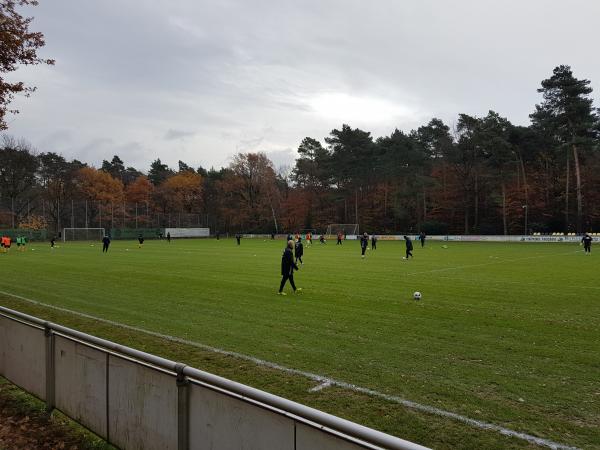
{"points": [[219, 421], [23, 356], [80, 383], [137, 406], [142, 406], [309, 438]]}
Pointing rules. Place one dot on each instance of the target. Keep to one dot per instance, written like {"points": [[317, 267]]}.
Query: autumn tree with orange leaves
{"points": [[19, 47]]}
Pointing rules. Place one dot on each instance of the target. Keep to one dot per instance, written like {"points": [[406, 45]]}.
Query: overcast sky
{"points": [[200, 80]]}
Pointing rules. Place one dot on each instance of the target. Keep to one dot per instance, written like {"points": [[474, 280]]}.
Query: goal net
{"points": [[83, 234], [344, 228]]}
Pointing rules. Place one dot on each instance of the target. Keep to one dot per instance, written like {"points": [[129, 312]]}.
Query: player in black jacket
{"points": [[299, 251], [105, 244], [373, 242], [422, 237], [587, 243], [287, 268], [409, 247], [364, 243]]}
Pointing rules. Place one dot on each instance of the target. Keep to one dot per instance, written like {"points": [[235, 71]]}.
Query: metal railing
{"points": [[134, 399]]}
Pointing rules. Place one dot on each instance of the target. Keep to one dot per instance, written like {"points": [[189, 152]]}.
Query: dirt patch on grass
{"points": [[24, 424]]}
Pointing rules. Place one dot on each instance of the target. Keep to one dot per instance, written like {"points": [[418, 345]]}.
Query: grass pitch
{"points": [[507, 334]]}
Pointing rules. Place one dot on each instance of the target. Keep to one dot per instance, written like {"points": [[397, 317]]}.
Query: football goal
{"points": [[344, 228], [83, 234]]}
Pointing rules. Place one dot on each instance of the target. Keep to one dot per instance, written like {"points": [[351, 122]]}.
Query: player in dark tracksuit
{"points": [[373, 242], [299, 251], [422, 237], [364, 243], [238, 237], [287, 267], [409, 247], [105, 244], [587, 243]]}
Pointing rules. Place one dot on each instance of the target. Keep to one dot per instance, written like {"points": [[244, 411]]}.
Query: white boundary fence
{"points": [[479, 238], [188, 232], [137, 400]]}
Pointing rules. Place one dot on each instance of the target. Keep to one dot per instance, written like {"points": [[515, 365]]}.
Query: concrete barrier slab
{"points": [[80, 377], [218, 421], [142, 405], [309, 438], [23, 356]]}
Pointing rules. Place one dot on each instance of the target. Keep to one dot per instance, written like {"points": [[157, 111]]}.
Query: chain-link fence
{"points": [[38, 214]]}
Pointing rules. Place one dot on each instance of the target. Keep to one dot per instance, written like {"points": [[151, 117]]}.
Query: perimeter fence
{"points": [[136, 400]]}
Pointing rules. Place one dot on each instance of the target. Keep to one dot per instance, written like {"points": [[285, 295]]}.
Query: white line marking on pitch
{"points": [[322, 380], [320, 387]]}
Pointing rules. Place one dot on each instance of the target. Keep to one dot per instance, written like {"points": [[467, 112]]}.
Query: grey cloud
{"points": [[178, 134], [241, 74]]}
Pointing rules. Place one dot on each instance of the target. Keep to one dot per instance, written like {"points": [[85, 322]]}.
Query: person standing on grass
{"points": [[299, 251], [52, 241], [238, 236], [140, 240], [105, 244], [373, 242], [422, 237], [364, 243], [169, 237], [322, 239], [287, 268], [587, 243], [409, 247], [339, 237]]}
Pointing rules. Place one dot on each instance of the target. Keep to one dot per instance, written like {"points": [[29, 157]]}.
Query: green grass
{"points": [[505, 333]]}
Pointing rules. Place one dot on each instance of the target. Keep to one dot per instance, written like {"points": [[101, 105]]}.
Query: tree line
{"points": [[485, 175]]}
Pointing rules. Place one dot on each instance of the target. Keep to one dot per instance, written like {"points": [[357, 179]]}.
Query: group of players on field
{"points": [[294, 250], [6, 242]]}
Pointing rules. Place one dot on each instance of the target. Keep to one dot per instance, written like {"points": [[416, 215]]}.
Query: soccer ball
{"points": [[417, 295]]}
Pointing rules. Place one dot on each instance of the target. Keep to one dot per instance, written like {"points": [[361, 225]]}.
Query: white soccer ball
{"points": [[417, 295]]}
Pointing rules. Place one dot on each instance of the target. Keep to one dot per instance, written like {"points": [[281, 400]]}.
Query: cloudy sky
{"points": [[200, 80]]}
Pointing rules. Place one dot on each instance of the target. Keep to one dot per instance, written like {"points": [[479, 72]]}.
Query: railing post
{"points": [[50, 385], [182, 408]]}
